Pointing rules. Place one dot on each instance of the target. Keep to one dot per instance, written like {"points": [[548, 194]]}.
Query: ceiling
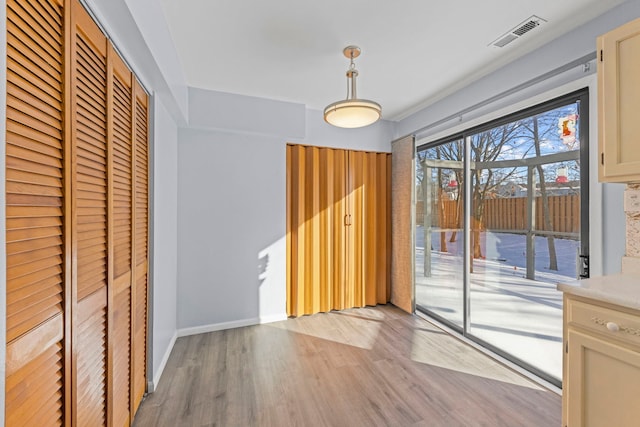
{"points": [[414, 52]]}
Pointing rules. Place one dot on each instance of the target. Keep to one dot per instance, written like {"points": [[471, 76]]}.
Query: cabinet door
{"points": [[602, 383], [619, 103]]}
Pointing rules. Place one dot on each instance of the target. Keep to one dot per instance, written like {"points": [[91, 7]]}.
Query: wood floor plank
{"points": [[374, 366]]}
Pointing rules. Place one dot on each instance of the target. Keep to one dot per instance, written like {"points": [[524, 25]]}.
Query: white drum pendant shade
{"points": [[352, 112]]}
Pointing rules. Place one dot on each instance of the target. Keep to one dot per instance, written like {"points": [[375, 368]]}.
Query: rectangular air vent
{"points": [[518, 31]]}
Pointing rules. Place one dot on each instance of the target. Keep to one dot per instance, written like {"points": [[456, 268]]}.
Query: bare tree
{"points": [[488, 146], [541, 128]]}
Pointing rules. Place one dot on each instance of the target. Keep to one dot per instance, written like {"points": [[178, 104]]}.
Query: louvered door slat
{"points": [[44, 63], [29, 388], [89, 217], [91, 361], [36, 98], [25, 135], [38, 147], [26, 70], [41, 16], [122, 174], [122, 354], [21, 117], [34, 255], [35, 111], [34, 195], [16, 271]]}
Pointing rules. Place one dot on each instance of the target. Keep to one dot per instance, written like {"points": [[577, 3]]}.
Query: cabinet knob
{"points": [[613, 327]]}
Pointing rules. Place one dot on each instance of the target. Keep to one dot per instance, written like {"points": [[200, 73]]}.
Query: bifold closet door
{"points": [[140, 242], [338, 231], [77, 221], [89, 184], [37, 283], [120, 165]]}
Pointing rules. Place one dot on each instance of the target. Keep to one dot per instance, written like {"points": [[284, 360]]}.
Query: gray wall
{"points": [[164, 238]]}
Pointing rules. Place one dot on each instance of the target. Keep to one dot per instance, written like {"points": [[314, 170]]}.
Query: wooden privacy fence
{"points": [[508, 214]]}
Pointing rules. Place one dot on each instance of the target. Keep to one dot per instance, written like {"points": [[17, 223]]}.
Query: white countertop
{"points": [[619, 289]]}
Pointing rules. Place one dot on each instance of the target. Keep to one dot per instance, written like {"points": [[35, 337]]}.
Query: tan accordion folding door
{"points": [[77, 213], [338, 229]]}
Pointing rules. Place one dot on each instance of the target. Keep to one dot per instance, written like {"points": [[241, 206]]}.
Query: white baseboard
{"points": [[184, 332], [151, 386], [273, 318]]}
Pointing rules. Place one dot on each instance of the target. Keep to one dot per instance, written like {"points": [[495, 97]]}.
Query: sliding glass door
{"points": [[500, 221], [439, 231]]}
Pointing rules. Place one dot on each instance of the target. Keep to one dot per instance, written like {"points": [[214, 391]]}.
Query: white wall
{"points": [[164, 239], [607, 225], [232, 204]]}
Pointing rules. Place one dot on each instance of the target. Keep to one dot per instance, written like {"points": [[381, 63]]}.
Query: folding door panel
{"points": [[35, 379], [316, 197], [89, 218], [369, 232], [375, 244], [120, 235], [354, 256], [140, 245]]}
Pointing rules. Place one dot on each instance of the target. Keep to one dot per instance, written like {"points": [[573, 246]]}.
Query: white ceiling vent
{"points": [[518, 31]]}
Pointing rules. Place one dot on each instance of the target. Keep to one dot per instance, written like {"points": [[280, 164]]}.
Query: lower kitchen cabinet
{"points": [[601, 364]]}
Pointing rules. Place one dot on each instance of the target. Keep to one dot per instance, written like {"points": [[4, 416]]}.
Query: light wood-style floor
{"points": [[374, 366]]}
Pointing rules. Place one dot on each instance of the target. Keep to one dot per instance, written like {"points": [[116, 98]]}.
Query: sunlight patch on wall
{"points": [[272, 281]]}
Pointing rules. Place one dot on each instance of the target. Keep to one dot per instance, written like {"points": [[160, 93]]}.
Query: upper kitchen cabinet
{"points": [[619, 104]]}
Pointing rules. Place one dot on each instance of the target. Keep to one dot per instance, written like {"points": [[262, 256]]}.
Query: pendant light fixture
{"points": [[352, 112]]}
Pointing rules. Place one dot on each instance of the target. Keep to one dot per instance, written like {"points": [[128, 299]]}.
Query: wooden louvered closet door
{"points": [[338, 229], [77, 213], [36, 287], [121, 231], [89, 218], [140, 244]]}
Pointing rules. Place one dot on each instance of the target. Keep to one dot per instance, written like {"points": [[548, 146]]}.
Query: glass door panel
{"points": [[439, 236], [525, 236]]}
